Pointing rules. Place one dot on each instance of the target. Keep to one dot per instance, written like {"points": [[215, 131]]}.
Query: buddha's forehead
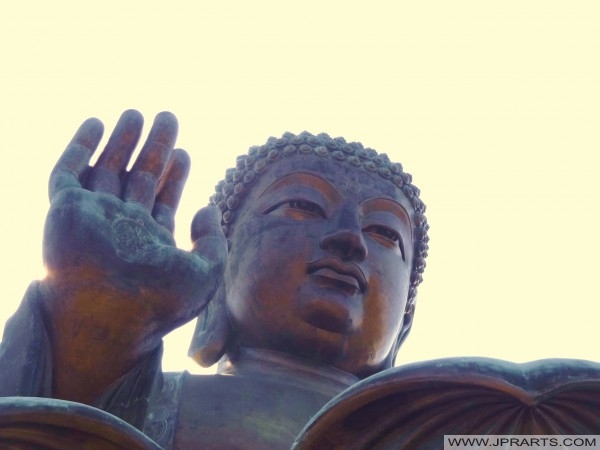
{"points": [[350, 182]]}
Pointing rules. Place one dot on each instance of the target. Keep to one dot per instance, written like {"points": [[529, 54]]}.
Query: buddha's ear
{"points": [[212, 332], [409, 314], [407, 321]]}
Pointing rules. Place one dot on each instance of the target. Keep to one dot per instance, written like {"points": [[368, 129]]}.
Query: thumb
{"points": [[207, 222], [208, 238]]}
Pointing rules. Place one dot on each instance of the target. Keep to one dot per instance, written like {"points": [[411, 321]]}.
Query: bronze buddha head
{"points": [[327, 244]]}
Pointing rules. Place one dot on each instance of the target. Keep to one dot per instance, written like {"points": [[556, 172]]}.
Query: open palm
{"points": [[116, 282]]}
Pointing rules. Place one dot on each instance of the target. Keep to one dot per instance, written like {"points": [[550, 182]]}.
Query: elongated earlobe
{"points": [[409, 314], [407, 321], [212, 332]]}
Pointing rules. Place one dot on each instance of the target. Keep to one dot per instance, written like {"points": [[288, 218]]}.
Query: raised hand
{"points": [[116, 282]]}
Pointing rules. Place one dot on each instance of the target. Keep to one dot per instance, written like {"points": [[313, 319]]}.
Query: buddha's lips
{"points": [[334, 268]]}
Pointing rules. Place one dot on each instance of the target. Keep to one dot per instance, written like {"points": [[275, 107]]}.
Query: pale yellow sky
{"points": [[492, 106]]}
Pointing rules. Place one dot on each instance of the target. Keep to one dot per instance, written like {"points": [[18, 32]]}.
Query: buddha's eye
{"points": [[386, 236], [385, 232], [298, 209], [305, 205]]}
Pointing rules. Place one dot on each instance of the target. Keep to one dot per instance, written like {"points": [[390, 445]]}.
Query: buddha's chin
{"points": [[332, 314], [328, 321]]}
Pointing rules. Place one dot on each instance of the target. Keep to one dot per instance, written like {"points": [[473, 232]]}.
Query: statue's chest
{"points": [[229, 412]]}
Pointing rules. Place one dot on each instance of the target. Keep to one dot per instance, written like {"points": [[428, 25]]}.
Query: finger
{"points": [[142, 181], [170, 189], [107, 173], [73, 163]]}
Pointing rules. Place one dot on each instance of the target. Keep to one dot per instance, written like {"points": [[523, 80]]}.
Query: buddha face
{"points": [[319, 264]]}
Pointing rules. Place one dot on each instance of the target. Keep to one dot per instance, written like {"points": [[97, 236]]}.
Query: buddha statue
{"points": [[303, 279]]}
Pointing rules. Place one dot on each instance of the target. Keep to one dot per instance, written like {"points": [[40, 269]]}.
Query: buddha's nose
{"points": [[343, 236]]}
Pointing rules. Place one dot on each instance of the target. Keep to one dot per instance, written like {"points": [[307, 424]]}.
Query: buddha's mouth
{"points": [[332, 272], [331, 279]]}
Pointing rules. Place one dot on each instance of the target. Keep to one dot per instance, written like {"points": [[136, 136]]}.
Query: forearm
{"points": [[97, 335], [28, 367]]}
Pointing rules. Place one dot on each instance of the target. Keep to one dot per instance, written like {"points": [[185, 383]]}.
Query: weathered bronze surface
{"points": [[303, 277], [38, 423], [414, 406]]}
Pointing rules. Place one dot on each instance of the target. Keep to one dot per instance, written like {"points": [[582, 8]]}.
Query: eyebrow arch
{"points": [[303, 179], [388, 205]]}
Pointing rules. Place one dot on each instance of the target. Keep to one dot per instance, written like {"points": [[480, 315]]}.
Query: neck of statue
{"points": [[286, 369]]}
